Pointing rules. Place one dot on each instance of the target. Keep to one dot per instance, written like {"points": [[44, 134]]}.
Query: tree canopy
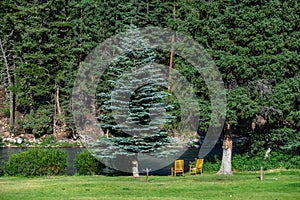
{"points": [[254, 44]]}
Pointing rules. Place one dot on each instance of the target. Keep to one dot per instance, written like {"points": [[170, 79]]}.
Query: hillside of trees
{"points": [[254, 44]]}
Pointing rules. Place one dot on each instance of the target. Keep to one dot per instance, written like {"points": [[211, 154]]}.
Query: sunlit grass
{"points": [[276, 185]]}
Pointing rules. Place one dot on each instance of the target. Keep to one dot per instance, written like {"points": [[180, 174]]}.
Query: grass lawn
{"points": [[276, 185]]}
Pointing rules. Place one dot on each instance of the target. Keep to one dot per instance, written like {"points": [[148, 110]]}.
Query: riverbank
{"points": [[28, 140]]}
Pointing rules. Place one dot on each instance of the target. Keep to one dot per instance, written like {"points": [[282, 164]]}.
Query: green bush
{"points": [[5, 112], [253, 163], [87, 164], [1, 171], [246, 163], [50, 140], [212, 164], [275, 160], [282, 160], [37, 162]]}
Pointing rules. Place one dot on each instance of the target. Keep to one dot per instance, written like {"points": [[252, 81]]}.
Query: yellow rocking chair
{"points": [[178, 168], [197, 168]]}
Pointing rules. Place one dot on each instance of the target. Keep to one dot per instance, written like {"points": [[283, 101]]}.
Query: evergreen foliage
{"points": [[276, 160], [37, 162], [255, 45], [87, 164], [135, 93], [38, 122]]}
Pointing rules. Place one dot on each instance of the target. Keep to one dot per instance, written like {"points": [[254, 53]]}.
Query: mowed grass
{"points": [[276, 185]]}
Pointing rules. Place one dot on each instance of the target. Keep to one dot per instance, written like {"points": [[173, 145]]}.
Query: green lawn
{"points": [[277, 185]]}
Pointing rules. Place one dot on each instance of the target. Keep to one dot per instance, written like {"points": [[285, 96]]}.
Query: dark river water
{"points": [[188, 156]]}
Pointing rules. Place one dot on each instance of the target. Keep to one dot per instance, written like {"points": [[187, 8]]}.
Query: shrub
{"points": [[1, 171], [37, 162], [212, 164], [50, 140], [87, 164], [282, 160], [253, 163], [246, 163], [275, 160], [5, 112]]}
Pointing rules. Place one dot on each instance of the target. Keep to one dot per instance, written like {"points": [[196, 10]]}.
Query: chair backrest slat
{"points": [[199, 162], [179, 165]]}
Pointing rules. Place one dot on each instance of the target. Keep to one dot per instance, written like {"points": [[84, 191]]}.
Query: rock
{"points": [[10, 140], [29, 137], [4, 134], [19, 140]]}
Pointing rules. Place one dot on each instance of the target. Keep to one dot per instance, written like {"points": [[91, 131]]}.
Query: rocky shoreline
{"points": [[28, 140], [8, 139]]}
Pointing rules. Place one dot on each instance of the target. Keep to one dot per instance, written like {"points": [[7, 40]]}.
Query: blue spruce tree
{"points": [[134, 108]]}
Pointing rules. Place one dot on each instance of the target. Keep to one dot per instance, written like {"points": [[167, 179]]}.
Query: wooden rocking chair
{"points": [[197, 168], [178, 168]]}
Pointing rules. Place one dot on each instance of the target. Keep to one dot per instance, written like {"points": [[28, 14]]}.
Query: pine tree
{"points": [[9, 39], [44, 61], [251, 43], [135, 112]]}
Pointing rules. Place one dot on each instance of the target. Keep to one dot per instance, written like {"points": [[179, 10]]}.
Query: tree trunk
{"points": [[12, 111], [59, 125], [226, 168], [135, 168], [11, 94], [268, 151], [172, 50]]}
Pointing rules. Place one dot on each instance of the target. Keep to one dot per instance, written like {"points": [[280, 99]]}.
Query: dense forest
{"points": [[254, 44]]}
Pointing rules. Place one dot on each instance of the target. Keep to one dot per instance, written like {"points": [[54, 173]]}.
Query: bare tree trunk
{"points": [[58, 122], [11, 94], [57, 99], [172, 50], [135, 168], [12, 116], [268, 151], [226, 168]]}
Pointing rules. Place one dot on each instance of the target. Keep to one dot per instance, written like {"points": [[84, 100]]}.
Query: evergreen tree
{"points": [[251, 42], [87, 20], [276, 126], [9, 40], [135, 111], [43, 61]]}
